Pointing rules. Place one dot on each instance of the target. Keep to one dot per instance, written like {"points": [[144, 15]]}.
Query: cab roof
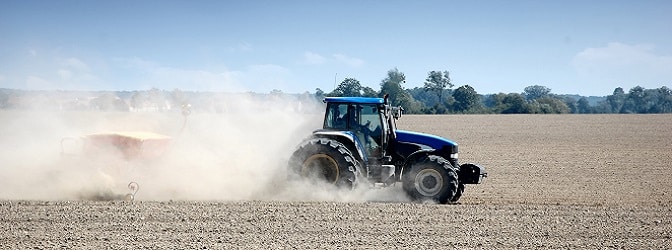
{"points": [[361, 100]]}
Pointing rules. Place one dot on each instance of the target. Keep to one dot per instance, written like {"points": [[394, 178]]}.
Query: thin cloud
{"points": [[136, 63], [64, 74], [349, 61], [151, 74], [49, 69], [265, 76], [317, 59], [242, 47], [619, 63], [313, 58], [75, 63], [74, 70], [36, 82], [253, 78]]}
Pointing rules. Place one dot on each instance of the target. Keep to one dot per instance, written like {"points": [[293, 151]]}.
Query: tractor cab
{"points": [[367, 118]]}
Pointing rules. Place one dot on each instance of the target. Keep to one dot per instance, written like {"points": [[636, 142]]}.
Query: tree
{"points": [[177, 99], [426, 100], [4, 99], [438, 81], [515, 103], [616, 100], [398, 96], [276, 92], [422, 95], [583, 106], [348, 87], [157, 98], [634, 101], [638, 100], [319, 94], [369, 92], [138, 100], [535, 92], [602, 108], [466, 99], [571, 103], [392, 85], [664, 100], [495, 102], [109, 101], [548, 105]]}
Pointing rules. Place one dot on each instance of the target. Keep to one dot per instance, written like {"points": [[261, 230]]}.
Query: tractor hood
{"points": [[432, 141]]}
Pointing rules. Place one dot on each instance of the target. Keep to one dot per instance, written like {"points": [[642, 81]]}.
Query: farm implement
{"points": [[116, 154]]}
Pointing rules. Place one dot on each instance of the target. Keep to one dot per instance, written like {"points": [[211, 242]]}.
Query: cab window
{"points": [[336, 116]]}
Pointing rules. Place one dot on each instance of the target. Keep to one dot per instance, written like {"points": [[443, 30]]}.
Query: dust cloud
{"points": [[236, 153]]}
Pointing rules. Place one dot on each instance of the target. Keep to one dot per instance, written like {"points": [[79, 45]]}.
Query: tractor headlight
{"points": [[453, 156]]}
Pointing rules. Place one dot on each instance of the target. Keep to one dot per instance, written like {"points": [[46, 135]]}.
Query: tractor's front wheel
{"points": [[326, 160], [458, 194], [431, 178]]}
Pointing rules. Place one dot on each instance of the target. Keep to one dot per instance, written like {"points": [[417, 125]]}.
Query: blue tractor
{"points": [[359, 141]]}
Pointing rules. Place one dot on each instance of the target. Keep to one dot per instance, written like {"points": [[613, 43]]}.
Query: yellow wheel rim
{"points": [[321, 166]]}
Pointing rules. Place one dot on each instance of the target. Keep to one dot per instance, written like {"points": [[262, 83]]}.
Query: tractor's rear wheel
{"points": [[431, 178], [325, 160]]}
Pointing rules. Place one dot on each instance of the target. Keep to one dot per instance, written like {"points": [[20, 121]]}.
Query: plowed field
{"points": [[555, 181]]}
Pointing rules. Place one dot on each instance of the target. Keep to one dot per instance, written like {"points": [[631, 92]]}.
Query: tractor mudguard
{"points": [[348, 138], [417, 155], [410, 159]]}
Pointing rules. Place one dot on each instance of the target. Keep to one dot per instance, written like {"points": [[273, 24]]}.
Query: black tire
{"points": [[458, 194], [325, 160], [431, 178]]}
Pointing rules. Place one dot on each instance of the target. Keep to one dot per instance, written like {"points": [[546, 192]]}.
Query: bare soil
{"points": [[555, 181]]}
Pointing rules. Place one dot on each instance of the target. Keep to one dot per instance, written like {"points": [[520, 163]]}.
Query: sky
{"points": [[572, 47]]}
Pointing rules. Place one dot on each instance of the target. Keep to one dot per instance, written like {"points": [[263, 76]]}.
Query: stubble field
{"points": [[555, 181]]}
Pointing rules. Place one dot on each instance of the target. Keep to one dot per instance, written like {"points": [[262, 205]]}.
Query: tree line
{"points": [[437, 96]]}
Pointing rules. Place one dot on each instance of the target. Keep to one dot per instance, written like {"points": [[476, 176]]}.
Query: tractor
{"points": [[360, 144]]}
